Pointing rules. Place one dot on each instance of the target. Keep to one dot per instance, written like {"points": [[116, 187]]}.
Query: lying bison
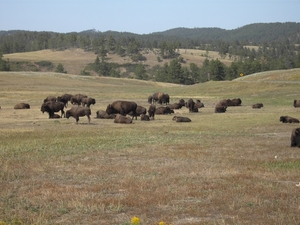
{"points": [[221, 107], [295, 138], [145, 117], [288, 119], [79, 111], [100, 114], [52, 107], [164, 110], [122, 119], [22, 105], [257, 106], [123, 108], [181, 119]]}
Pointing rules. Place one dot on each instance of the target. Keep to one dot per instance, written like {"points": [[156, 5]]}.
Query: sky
{"points": [[142, 16]]}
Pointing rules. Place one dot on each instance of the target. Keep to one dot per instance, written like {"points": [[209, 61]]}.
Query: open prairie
{"points": [[75, 60], [235, 167]]}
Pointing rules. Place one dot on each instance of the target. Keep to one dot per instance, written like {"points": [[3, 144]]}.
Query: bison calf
{"points": [[295, 138], [79, 111], [288, 119], [181, 119]]}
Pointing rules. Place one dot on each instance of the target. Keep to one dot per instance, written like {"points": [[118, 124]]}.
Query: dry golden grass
{"points": [[218, 169], [75, 60]]}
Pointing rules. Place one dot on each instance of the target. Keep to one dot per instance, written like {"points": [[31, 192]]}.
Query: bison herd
{"points": [[120, 110]]}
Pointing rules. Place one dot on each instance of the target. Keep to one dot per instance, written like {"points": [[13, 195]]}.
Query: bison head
{"points": [[109, 109]]}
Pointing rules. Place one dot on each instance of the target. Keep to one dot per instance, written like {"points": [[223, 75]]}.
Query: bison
{"points": [[100, 114], [79, 111], [139, 110], [50, 98], [123, 108], [296, 103], [181, 119], [65, 98], [88, 102], [295, 138], [235, 102], [22, 105], [221, 107], [122, 119], [52, 107], [145, 117], [288, 119], [198, 104], [190, 104], [76, 99], [164, 110], [257, 106], [151, 111]]}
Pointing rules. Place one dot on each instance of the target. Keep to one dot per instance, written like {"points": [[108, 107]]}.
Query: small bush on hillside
{"points": [[45, 64]]}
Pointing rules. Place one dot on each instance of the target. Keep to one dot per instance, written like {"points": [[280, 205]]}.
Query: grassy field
{"points": [[231, 168], [75, 60]]}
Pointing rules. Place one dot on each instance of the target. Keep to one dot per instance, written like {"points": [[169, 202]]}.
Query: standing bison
{"points": [[151, 111], [88, 102], [295, 138], [123, 108], [22, 105], [79, 111], [52, 107]]}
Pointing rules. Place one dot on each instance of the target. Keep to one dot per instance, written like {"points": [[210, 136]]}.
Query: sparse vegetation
{"points": [[218, 169]]}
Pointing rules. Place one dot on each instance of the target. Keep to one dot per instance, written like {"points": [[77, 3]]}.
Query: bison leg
{"points": [[89, 118]]}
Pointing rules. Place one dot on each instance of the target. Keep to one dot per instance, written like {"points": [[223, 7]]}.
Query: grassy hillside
{"points": [[231, 168], [75, 60]]}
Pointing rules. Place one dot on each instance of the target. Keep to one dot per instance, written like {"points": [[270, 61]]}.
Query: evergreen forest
{"points": [[277, 47]]}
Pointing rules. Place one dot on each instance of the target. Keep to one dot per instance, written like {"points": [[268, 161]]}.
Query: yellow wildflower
{"points": [[135, 220], [162, 223]]}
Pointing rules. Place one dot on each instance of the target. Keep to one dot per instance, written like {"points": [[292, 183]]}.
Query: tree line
{"points": [[272, 55]]}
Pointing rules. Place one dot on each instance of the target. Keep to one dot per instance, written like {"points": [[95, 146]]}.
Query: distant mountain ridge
{"points": [[257, 32]]}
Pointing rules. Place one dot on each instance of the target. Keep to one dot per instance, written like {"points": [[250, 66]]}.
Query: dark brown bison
{"points": [[100, 114], [22, 105], [296, 103], [165, 99], [145, 117], [51, 107], [88, 102], [151, 111], [198, 104], [50, 98], [65, 98], [181, 119], [235, 102], [221, 107], [295, 138], [139, 110], [164, 110], [257, 106], [157, 97], [79, 111], [288, 119], [150, 99], [177, 105], [123, 108], [76, 99], [190, 104], [55, 116], [122, 119]]}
